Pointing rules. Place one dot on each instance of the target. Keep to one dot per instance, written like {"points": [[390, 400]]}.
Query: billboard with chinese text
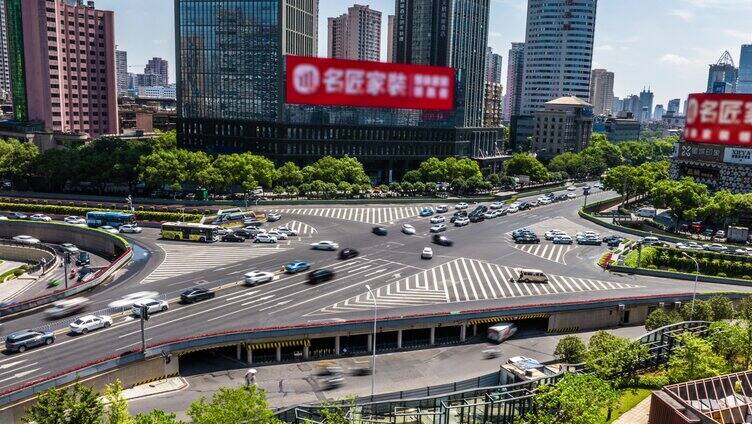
{"points": [[336, 82], [719, 119]]}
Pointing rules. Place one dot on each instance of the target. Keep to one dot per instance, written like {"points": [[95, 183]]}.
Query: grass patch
{"points": [[648, 253], [628, 399]]}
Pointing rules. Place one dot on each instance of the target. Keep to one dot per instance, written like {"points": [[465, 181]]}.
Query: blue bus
{"points": [[113, 219]]}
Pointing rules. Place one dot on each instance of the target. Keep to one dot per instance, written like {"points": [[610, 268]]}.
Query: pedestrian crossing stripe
{"points": [[301, 228], [286, 343], [549, 252], [508, 318], [377, 215]]}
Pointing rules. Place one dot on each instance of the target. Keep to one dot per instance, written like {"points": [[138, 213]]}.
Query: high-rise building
{"points": [[492, 108], [355, 35], [558, 51], [673, 106], [158, 66], [631, 104], [602, 91], [5, 89], [147, 80], [447, 33], [121, 69], [515, 67], [390, 39], [52, 81], [744, 85], [493, 66], [618, 106], [659, 112], [646, 106], [722, 75]]}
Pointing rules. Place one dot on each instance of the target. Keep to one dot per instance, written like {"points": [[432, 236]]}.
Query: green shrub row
{"points": [[711, 263], [141, 215], [16, 272]]}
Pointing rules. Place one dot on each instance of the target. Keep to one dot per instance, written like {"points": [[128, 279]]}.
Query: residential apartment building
{"points": [[602, 91], [355, 35]]}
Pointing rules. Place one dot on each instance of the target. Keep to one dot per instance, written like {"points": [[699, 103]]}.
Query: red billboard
{"points": [[719, 119], [336, 82]]}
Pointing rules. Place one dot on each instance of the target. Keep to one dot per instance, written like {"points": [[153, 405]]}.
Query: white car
{"points": [[325, 245], [278, 234], [74, 220], [69, 248], [408, 229], [496, 205], [41, 218], [571, 195], [563, 239], [544, 200], [88, 323], [461, 222], [287, 230], [438, 219], [128, 300], [571, 188], [442, 209], [715, 247], [550, 235], [130, 228], [3, 218], [490, 215], [427, 253], [461, 206], [152, 306], [513, 209], [109, 229], [257, 277], [438, 228], [264, 238], [26, 239]]}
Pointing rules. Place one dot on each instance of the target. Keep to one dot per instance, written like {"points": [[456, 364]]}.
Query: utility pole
{"points": [[129, 199], [144, 317], [66, 261]]}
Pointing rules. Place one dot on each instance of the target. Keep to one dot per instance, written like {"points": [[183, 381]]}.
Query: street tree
{"points": [[289, 174], [157, 416], [703, 311], [117, 410], [575, 399], [245, 404], [660, 318], [571, 350], [615, 359], [680, 196], [434, 170], [74, 404], [525, 164], [722, 307], [693, 359]]}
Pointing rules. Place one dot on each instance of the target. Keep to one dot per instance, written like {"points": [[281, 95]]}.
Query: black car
{"points": [[614, 242], [196, 294], [22, 340], [477, 218], [380, 231], [83, 272], [233, 238], [480, 210], [607, 239], [524, 206], [442, 240], [589, 241], [348, 253], [527, 239], [457, 215], [320, 276], [243, 233], [17, 215], [83, 259]]}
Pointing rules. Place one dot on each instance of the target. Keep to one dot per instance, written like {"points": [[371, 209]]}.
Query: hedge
{"points": [[15, 272], [141, 215], [711, 263]]}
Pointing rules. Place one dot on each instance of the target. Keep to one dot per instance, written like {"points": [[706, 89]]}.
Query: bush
{"points": [[659, 318], [722, 307], [652, 381], [80, 210], [571, 350]]}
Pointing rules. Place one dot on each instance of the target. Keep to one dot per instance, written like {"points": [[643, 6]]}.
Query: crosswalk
{"points": [[185, 258], [548, 251], [301, 228], [465, 280], [375, 215]]}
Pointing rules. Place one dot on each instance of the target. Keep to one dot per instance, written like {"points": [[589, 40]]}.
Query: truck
{"points": [[737, 234]]}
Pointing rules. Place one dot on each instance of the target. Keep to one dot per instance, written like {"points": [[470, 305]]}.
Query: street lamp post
{"points": [[373, 362], [694, 291]]}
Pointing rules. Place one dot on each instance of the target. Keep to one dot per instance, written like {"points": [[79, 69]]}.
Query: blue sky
{"points": [[664, 44]]}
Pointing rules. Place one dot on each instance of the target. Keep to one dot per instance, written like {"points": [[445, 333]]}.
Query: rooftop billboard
{"points": [[337, 82], [719, 119]]}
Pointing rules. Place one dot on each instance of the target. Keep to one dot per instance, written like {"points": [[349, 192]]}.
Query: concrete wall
{"points": [[130, 375], [98, 242], [25, 254], [594, 319]]}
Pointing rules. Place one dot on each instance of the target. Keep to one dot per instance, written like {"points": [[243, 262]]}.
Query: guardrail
{"points": [[38, 246]]}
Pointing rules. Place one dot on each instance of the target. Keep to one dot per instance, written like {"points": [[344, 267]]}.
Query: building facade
{"points": [[390, 39], [63, 65], [121, 70], [673, 106], [5, 88], [355, 35], [158, 66], [645, 106], [492, 109], [564, 125], [157, 92], [450, 33], [622, 129], [744, 85], [723, 75], [659, 112], [602, 91], [515, 68], [493, 66]]}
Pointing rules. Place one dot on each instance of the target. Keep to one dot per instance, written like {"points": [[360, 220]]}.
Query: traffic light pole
{"points": [[66, 260], [144, 316]]}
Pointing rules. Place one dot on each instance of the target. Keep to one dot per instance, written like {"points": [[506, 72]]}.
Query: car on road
{"points": [[297, 266], [264, 238], [533, 203], [442, 209], [74, 220], [496, 205], [490, 215], [437, 228], [128, 300], [461, 206], [649, 241], [461, 222], [254, 231], [408, 229], [563, 239], [427, 253], [257, 277], [252, 222], [325, 245], [477, 217], [287, 230], [438, 219], [720, 234], [320, 276], [243, 233], [22, 340], [527, 238], [589, 241], [571, 188], [615, 242], [550, 235], [458, 215], [571, 195], [40, 218], [152, 306], [83, 259], [17, 215], [348, 253], [109, 229], [715, 247], [87, 323], [66, 307], [544, 200], [26, 239], [513, 209], [130, 229], [520, 231], [380, 231], [233, 238], [273, 216], [426, 212], [196, 294], [69, 248], [561, 197], [442, 240], [278, 234]]}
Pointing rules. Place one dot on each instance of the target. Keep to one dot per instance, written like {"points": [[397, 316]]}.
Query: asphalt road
{"points": [[475, 273]]}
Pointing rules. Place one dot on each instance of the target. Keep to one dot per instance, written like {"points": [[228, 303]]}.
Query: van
{"points": [[501, 331], [650, 240], [532, 276], [646, 212]]}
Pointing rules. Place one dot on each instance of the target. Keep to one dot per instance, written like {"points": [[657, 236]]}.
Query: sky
{"points": [[666, 45]]}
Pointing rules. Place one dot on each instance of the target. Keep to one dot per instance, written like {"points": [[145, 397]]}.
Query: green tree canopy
{"points": [[571, 350], [525, 164], [575, 399], [117, 410], [289, 174], [693, 359], [157, 417], [74, 404], [245, 404], [615, 359], [680, 196]]}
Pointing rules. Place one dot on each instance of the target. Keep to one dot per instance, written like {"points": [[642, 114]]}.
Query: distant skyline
{"points": [[665, 45]]}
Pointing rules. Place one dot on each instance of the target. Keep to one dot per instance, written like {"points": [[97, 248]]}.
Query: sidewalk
{"points": [[637, 415]]}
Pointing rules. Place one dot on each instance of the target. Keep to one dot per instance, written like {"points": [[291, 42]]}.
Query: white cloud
{"points": [[683, 14], [674, 59]]}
